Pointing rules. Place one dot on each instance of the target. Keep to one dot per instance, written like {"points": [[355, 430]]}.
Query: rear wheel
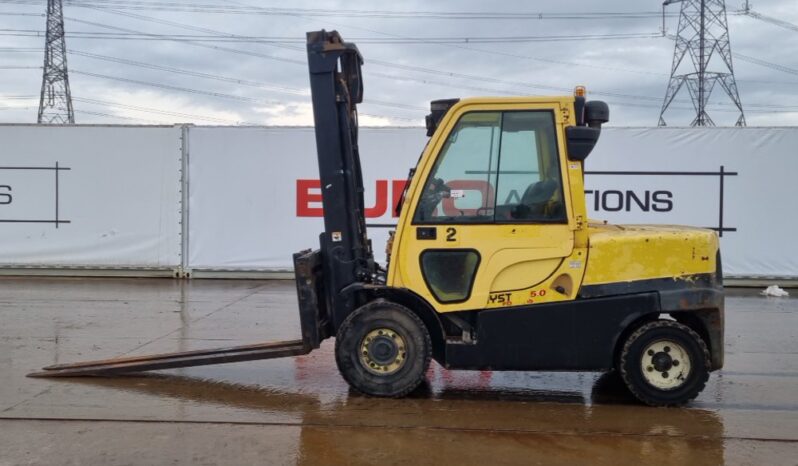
{"points": [[665, 363], [383, 349]]}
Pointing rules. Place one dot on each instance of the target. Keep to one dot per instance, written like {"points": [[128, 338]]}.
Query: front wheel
{"points": [[383, 349], [665, 363]]}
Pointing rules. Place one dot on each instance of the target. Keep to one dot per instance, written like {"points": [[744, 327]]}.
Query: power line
{"points": [[229, 50], [197, 74], [268, 86], [360, 40], [385, 75], [416, 69], [721, 107], [352, 13], [19, 49], [766, 64], [19, 97], [154, 110], [371, 61], [452, 74], [294, 91], [196, 44], [769, 19], [174, 88], [11, 13], [302, 49], [298, 91], [140, 108], [377, 62], [217, 94], [87, 112], [302, 62], [227, 9], [767, 81], [757, 61]]}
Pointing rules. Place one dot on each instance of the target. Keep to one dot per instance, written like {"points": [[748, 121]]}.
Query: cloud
{"points": [[141, 104], [630, 74], [287, 115]]}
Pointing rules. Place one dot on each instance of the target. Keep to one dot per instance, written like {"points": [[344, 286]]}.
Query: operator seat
{"points": [[541, 200]]}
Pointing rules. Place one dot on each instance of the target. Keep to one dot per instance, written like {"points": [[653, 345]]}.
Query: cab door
{"points": [[489, 224]]}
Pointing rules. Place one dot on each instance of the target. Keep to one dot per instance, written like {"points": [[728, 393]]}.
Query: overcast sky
{"points": [[631, 74]]}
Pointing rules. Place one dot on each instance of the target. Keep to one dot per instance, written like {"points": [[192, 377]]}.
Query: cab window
{"points": [[529, 186], [462, 185], [496, 167]]}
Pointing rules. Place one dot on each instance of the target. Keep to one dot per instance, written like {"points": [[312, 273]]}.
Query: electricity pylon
{"points": [[703, 34], [55, 103]]}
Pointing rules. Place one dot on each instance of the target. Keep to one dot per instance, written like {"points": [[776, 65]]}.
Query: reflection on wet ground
{"points": [[353, 422], [299, 410]]}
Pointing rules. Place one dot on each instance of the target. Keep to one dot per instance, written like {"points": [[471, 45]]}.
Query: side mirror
{"points": [[596, 113], [580, 141]]}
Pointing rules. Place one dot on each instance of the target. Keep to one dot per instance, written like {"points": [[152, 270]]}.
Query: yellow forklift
{"points": [[494, 264]]}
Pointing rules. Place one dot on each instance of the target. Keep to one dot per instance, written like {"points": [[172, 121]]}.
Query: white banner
{"points": [[110, 196], [86, 196], [255, 197], [738, 181]]}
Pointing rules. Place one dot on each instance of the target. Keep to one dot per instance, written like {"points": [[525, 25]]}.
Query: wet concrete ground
{"points": [[300, 411]]}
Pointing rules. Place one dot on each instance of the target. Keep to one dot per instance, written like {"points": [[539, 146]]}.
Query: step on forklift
{"points": [[493, 265]]}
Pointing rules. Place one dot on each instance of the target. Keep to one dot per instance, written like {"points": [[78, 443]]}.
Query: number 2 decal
{"points": [[451, 234]]}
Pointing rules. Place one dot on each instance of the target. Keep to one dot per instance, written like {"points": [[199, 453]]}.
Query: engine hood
{"points": [[622, 253]]}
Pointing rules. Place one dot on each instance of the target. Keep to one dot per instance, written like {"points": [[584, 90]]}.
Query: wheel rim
{"points": [[665, 364], [383, 351]]}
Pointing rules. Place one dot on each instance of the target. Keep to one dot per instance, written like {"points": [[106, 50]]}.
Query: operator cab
{"points": [[494, 209], [526, 185]]}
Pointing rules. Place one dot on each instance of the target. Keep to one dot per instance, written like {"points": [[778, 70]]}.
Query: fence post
{"points": [[184, 270]]}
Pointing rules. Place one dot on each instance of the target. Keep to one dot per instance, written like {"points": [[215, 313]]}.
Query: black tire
{"points": [[414, 341], [657, 333]]}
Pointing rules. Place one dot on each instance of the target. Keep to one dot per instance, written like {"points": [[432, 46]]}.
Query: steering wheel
{"points": [[485, 211], [435, 191]]}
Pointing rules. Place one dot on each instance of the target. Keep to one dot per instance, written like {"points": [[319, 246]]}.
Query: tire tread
{"points": [[347, 324], [664, 324]]}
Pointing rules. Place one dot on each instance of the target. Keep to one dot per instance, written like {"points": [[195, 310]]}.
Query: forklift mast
{"points": [[344, 261], [346, 255]]}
